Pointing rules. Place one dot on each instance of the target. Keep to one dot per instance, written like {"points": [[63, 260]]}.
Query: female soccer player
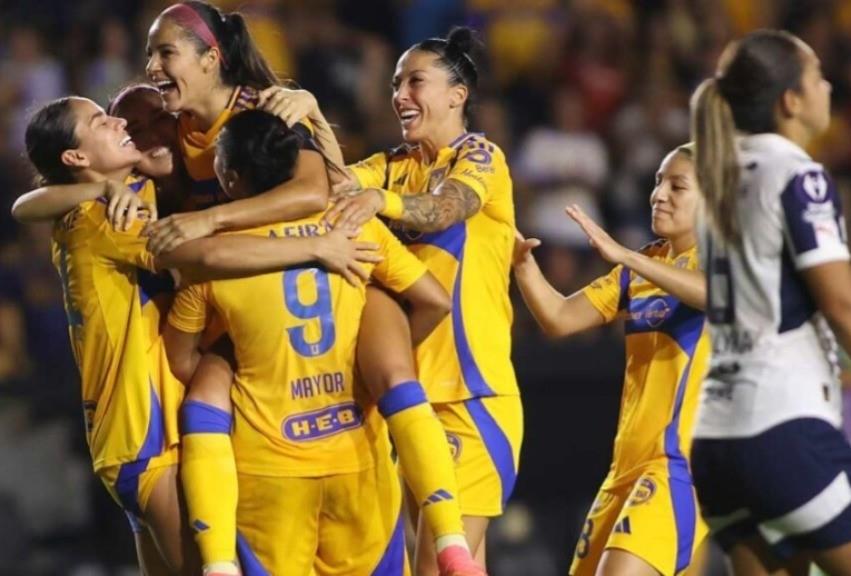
{"points": [[448, 193], [317, 491], [383, 364], [130, 399], [207, 69], [769, 461], [644, 520]]}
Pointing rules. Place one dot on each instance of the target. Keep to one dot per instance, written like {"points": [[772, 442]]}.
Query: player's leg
{"points": [[386, 365], [208, 470], [659, 528], [835, 561], [620, 563], [485, 435], [425, 555], [351, 542], [278, 524], [753, 557], [151, 562], [595, 532], [164, 513]]}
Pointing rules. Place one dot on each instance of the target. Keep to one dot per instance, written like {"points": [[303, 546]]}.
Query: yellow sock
{"points": [[208, 474], [424, 456]]}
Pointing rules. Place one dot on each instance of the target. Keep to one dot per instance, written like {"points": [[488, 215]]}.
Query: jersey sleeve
{"points": [[608, 294], [400, 269], [481, 166], [189, 311], [371, 172], [813, 220], [125, 246]]}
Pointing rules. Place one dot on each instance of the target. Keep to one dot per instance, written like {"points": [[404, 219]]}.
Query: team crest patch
{"points": [[454, 445], [643, 492]]}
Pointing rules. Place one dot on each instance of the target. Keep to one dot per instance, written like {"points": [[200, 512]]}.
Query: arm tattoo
{"points": [[454, 202]]}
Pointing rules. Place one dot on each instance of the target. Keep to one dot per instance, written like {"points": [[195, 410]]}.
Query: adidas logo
{"points": [[199, 526], [623, 526], [438, 496]]}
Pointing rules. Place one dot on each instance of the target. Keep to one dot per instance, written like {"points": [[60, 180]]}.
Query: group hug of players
{"points": [[244, 419]]}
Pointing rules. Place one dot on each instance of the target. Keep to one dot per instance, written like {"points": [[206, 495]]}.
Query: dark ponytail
{"points": [[455, 55], [753, 75], [51, 131], [242, 63], [260, 147]]}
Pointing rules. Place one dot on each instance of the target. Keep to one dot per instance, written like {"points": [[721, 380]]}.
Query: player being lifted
{"points": [[318, 491]]}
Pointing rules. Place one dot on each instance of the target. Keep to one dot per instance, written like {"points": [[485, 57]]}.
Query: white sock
{"points": [[222, 568], [448, 540]]}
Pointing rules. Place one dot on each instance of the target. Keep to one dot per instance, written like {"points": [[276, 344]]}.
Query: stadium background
{"points": [[585, 97]]}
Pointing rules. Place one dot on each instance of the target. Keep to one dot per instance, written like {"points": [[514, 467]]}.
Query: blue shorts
{"points": [[789, 484]]}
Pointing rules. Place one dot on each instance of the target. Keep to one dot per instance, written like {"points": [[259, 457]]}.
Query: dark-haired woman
{"points": [[769, 461], [208, 69], [644, 520], [318, 492], [130, 398], [448, 195]]}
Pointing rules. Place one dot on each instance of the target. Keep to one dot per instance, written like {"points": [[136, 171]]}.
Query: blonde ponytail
{"points": [[716, 163]]}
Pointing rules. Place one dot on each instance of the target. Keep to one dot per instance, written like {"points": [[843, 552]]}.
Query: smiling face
{"points": [[675, 198], [104, 145], [183, 76], [152, 128], [423, 98]]}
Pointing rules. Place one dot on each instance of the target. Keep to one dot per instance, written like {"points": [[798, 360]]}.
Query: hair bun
{"points": [[462, 39]]}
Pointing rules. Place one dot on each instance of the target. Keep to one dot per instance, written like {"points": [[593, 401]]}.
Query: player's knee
{"points": [[211, 391]]}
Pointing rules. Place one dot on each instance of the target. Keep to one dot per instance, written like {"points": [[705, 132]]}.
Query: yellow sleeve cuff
{"points": [[393, 206]]}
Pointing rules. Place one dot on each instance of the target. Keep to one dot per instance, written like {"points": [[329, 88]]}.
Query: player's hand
{"points": [[123, 206], [291, 106], [523, 249], [355, 211], [348, 187], [167, 234], [610, 250], [339, 252]]}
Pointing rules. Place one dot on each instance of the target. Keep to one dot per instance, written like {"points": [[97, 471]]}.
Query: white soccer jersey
{"points": [[773, 358]]}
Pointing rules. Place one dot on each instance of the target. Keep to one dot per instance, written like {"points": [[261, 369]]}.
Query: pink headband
{"points": [[186, 17]]}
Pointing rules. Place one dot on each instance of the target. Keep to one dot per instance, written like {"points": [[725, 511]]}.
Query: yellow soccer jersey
{"points": [[199, 148], [667, 354], [294, 335], [469, 354], [130, 397]]}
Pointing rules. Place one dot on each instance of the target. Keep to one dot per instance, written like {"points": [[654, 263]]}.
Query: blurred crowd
{"points": [[584, 96]]}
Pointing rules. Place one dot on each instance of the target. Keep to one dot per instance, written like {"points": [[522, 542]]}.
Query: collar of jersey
{"points": [[204, 139], [771, 142]]}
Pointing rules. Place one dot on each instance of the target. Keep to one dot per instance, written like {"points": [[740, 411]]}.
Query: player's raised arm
{"points": [[556, 314], [54, 201], [238, 255], [688, 286]]}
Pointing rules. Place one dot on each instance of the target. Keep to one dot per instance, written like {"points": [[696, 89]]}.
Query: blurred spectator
{"points": [[563, 163], [110, 70], [30, 77]]}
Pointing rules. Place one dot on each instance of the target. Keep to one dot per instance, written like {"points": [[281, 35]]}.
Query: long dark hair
{"points": [[242, 62], [455, 55], [260, 147], [754, 73], [51, 131]]}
